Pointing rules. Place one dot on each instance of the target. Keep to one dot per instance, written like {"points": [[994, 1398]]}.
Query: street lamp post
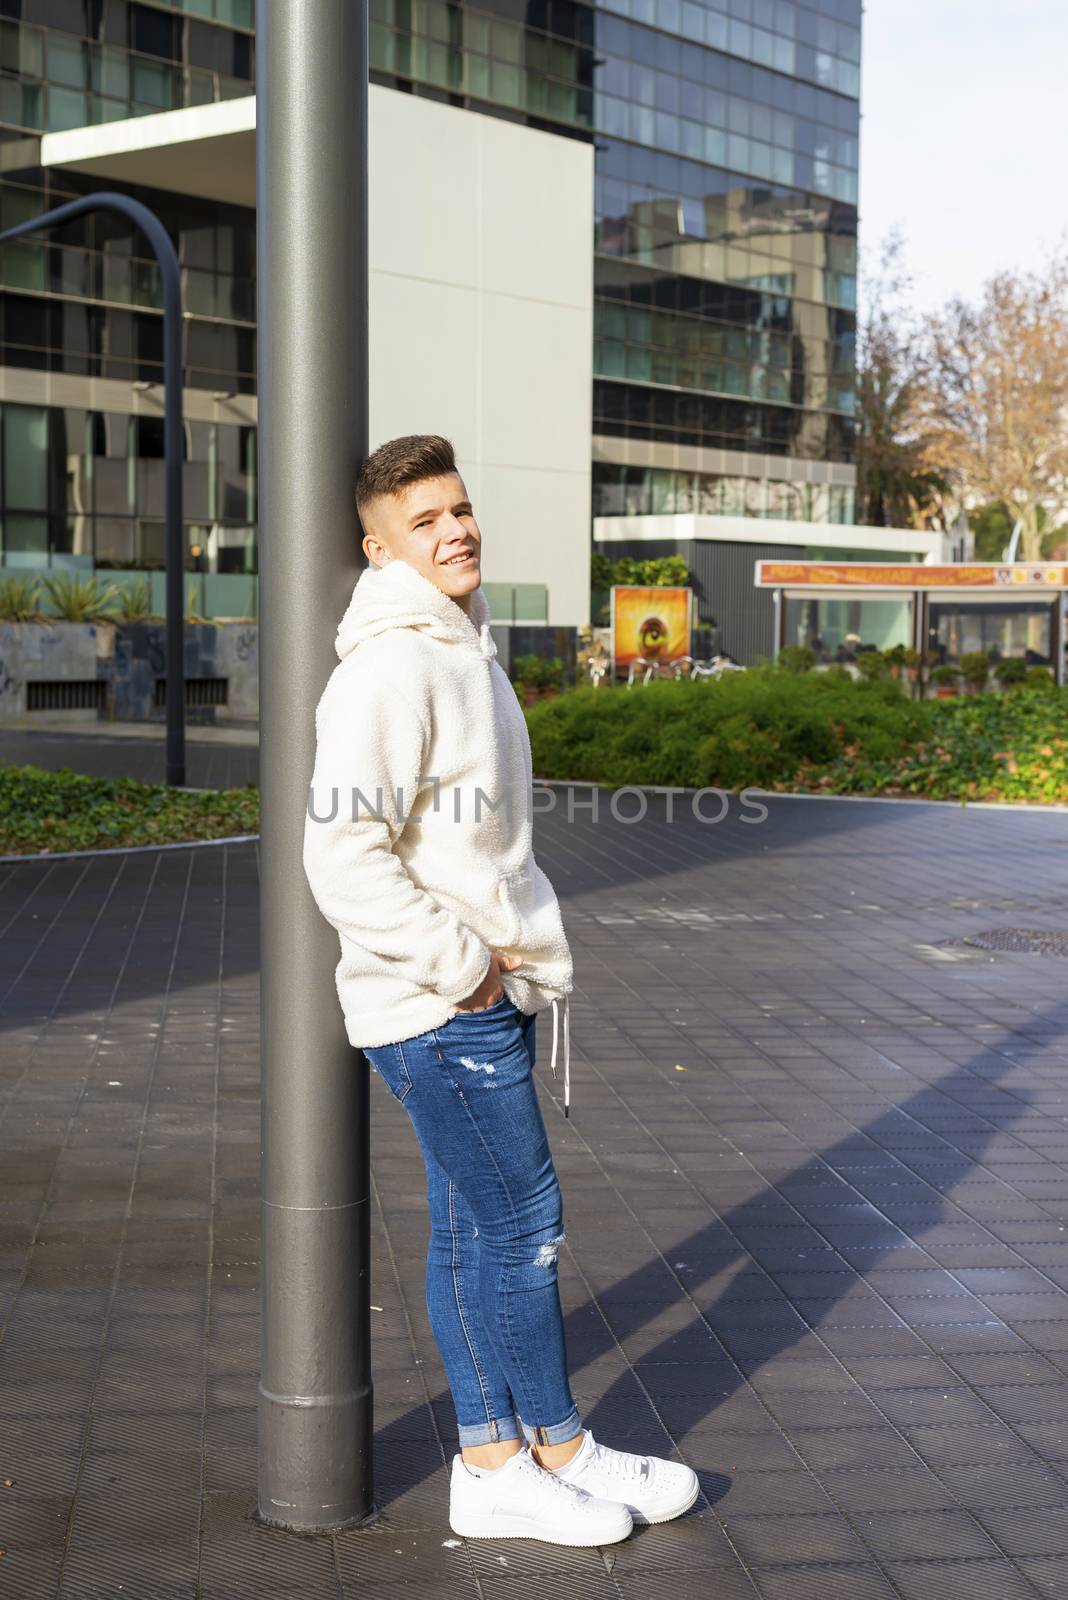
{"points": [[167, 259], [315, 1383]]}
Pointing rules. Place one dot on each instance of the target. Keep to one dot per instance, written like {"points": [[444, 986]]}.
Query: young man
{"points": [[418, 851]]}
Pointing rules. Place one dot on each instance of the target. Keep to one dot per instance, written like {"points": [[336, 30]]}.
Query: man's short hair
{"points": [[394, 465]]}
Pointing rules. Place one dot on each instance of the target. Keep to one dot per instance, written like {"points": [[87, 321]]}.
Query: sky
{"points": [[964, 137]]}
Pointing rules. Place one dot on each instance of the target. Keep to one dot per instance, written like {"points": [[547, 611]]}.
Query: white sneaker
{"points": [[524, 1501], [652, 1489]]}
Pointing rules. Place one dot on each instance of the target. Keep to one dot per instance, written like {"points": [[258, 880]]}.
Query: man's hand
{"points": [[490, 990]]}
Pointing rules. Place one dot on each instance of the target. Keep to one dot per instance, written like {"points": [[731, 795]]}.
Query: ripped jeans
{"points": [[496, 1222]]}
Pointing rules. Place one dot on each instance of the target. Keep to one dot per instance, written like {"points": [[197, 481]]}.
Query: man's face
{"points": [[432, 527]]}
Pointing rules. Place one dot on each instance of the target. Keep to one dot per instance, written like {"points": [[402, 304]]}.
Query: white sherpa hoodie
{"points": [[437, 869]]}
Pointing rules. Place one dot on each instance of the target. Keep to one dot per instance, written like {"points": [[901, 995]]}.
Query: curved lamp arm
{"points": [[163, 249]]}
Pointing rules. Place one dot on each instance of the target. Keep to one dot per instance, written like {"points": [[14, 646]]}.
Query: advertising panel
{"points": [[650, 623]]}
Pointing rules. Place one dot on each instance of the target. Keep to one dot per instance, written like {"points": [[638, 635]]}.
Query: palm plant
{"points": [[135, 601], [20, 599], [81, 599]]}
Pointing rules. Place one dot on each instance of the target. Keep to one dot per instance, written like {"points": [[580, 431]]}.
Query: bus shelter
{"points": [[841, 609]]}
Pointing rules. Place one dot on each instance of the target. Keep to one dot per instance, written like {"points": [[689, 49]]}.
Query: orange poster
{"points": [[651, 623]]}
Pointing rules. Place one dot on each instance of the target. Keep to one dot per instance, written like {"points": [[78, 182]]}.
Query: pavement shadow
{"points": [[796, 1267]]}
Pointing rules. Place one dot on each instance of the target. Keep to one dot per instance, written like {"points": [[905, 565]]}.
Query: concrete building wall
{"points": [[481, 325]]}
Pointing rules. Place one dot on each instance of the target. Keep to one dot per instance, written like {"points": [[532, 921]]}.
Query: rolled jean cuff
{"points": [[556, 1432], [488, 1432]]}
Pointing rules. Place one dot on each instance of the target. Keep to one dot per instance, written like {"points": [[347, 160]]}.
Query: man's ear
{"points": [[375, 550]]}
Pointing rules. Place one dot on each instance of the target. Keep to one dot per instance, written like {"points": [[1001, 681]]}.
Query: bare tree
{"points": [[995, 398], [900, 482]]}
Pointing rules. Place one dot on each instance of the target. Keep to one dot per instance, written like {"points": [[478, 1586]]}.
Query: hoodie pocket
{"points": [[512, 892]]}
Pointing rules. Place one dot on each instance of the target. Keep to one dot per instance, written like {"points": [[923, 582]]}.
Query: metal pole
{"points": [[315, 1384], [167, 259], [174, 527]]}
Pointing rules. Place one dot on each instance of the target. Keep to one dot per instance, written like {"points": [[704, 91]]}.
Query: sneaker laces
{"points": [[557, 1482], [621, 1463]]}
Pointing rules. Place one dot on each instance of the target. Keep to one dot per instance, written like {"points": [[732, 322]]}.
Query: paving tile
{"points": [[961, 1580], [824, 1583], [1049, 1574], [925, 1535], [826, 1263], [767, 1541]]}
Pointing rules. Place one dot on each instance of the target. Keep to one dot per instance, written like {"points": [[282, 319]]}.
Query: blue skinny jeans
{"points": [[496, 1222]]}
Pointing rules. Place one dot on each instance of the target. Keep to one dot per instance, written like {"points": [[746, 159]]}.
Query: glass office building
{"points": [[81, 465], [726, 136], [725, 140]]}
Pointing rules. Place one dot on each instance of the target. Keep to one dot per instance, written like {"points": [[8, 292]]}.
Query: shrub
{"points": [[552, 673], [654, 572], [20, 599], [975, 668], [822, 732], [992, 747], [526, 671], [135, 601], [44, 811], [796, 658], [757, 727], [872, 664], [78, 598], [1039, 678], [1010, 671], [945, 675]]}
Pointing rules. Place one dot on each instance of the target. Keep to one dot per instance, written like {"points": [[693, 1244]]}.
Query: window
{"points": [[153, 32], [25, 431]]}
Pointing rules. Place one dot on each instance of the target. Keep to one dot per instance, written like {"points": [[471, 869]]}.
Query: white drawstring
{"points": [[567, 1050]]}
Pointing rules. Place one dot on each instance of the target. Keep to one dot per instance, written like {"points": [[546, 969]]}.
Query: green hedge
{"points": [[46, 811], [813, 732]]}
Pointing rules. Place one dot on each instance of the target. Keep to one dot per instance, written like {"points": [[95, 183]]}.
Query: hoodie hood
{"points": [[397, 596]]}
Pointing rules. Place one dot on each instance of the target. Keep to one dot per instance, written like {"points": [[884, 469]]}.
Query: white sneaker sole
{"points": [[498, 1527], [673, 1511]]}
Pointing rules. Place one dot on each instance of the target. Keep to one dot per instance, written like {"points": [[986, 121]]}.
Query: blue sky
{"points": [[964, 136]]}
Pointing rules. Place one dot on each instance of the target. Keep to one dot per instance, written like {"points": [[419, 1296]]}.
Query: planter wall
{"points": [[40, 654], [116, 672], [51, 671], [221, 671]]}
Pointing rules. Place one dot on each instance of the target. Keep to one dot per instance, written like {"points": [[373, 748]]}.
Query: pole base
{"points": [[298, 1442]]}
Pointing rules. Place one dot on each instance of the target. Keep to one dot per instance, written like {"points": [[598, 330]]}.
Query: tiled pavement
{"points": [[826, 1263]]}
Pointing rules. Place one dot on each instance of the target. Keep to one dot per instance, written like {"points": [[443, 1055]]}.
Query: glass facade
{"points": [[620, 491], [66, 63], [725, 150], [87, 299], [85, 489]]}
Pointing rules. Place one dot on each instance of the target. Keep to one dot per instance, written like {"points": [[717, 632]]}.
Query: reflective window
{"points": [[998, 628], [648, 491], [839, 630], [79, 486]]}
